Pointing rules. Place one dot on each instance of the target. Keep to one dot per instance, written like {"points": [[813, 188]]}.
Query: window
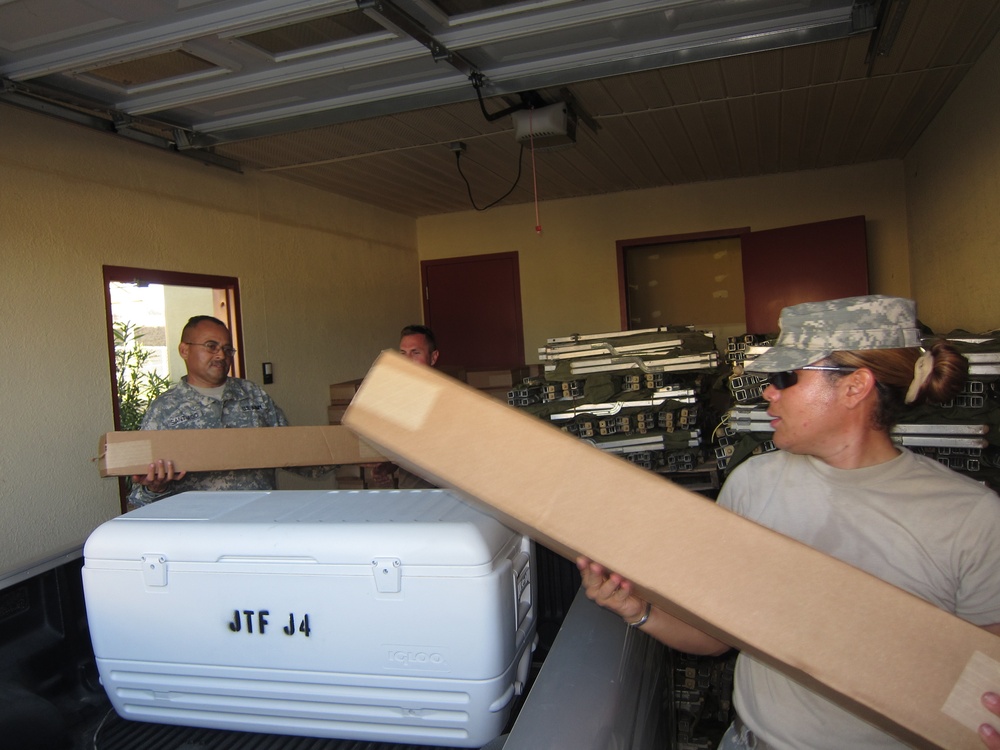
{"points": [[693, 279]]}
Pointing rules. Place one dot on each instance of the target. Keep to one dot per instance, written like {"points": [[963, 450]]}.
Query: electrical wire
{"points": [[478, 79], [468, 187], [97, 732], [722, 423]]}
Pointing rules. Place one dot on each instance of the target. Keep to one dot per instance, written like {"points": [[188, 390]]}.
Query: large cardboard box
{"points": [[124, 453], [890, 657], [342, 393]]}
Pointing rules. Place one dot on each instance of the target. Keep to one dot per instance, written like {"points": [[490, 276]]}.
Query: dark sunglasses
{"points": [[783, 380]]}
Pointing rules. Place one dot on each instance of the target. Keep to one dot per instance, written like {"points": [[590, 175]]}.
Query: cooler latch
{"points": [[388, 574], [154, 570]]}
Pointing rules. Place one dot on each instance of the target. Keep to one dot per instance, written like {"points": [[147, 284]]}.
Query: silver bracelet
{"points": [[642, 620]]}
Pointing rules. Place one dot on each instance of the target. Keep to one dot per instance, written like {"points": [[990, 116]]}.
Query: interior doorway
{"points": [[146, 312], [155, 305], [473, 304]]}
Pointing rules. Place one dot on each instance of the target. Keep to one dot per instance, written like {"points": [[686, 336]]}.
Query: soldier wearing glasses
{"points": [[840, 373], [207, 397]]}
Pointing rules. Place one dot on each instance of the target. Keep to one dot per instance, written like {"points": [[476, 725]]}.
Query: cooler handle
{"points": [[522, 587]]}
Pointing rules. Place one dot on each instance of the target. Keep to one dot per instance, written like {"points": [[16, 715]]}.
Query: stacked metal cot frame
{"points": [[648, 396], [963, 434], [637, 394], [653, 396]]}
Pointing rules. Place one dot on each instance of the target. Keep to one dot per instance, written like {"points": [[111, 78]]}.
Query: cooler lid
{"points": [[420, 527]]}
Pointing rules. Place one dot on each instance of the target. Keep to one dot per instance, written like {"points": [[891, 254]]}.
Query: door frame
{"points": [[227, 294]]}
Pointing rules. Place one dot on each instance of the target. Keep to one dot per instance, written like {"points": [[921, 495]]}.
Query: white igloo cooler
{"points": [[393, 616]]}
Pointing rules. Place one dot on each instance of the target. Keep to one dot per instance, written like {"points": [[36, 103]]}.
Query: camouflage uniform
{"points": [[243, 404]]}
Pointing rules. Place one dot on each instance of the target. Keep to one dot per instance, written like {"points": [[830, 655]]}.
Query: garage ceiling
{"points": [[411, 104]]}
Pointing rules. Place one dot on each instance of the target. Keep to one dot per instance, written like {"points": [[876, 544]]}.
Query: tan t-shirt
{"points": [[910, 521]]}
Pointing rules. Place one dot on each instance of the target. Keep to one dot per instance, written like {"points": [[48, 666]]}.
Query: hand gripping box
{"points": [[393, 616]]}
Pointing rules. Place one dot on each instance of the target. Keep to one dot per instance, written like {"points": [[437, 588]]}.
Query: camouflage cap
{"points": [[814, 330]]}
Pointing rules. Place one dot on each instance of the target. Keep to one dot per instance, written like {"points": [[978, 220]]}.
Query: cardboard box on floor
{"points": [[342, 393], [124, 453], [888, 656], [493, 379]]}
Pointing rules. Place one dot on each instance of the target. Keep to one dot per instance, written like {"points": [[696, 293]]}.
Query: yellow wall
{"points": [[569, 276], [326, 284], [953, 199]]}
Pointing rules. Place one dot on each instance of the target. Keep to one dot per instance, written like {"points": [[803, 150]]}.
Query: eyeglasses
{"points": [[213, 346], [783, 380]]}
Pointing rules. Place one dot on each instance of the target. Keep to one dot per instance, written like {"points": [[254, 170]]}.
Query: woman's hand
{"points": [[989, 734], [610, 590]]}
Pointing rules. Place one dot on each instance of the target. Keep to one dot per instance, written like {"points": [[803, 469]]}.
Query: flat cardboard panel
{"points": [[496, 378], [342, 393], [124, 453], [891, 657]]}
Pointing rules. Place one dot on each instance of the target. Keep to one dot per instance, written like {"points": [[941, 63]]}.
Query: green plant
{"points": [[137, 387]]}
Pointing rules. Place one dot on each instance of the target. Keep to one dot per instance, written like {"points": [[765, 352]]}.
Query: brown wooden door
{"points": [[805, 263], [473, 304]]}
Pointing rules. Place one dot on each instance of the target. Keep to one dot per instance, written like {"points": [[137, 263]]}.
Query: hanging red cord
{"points": [[534, 174]]}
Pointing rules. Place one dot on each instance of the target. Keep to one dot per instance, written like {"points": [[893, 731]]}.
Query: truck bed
{"points": [[604, 681]]}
